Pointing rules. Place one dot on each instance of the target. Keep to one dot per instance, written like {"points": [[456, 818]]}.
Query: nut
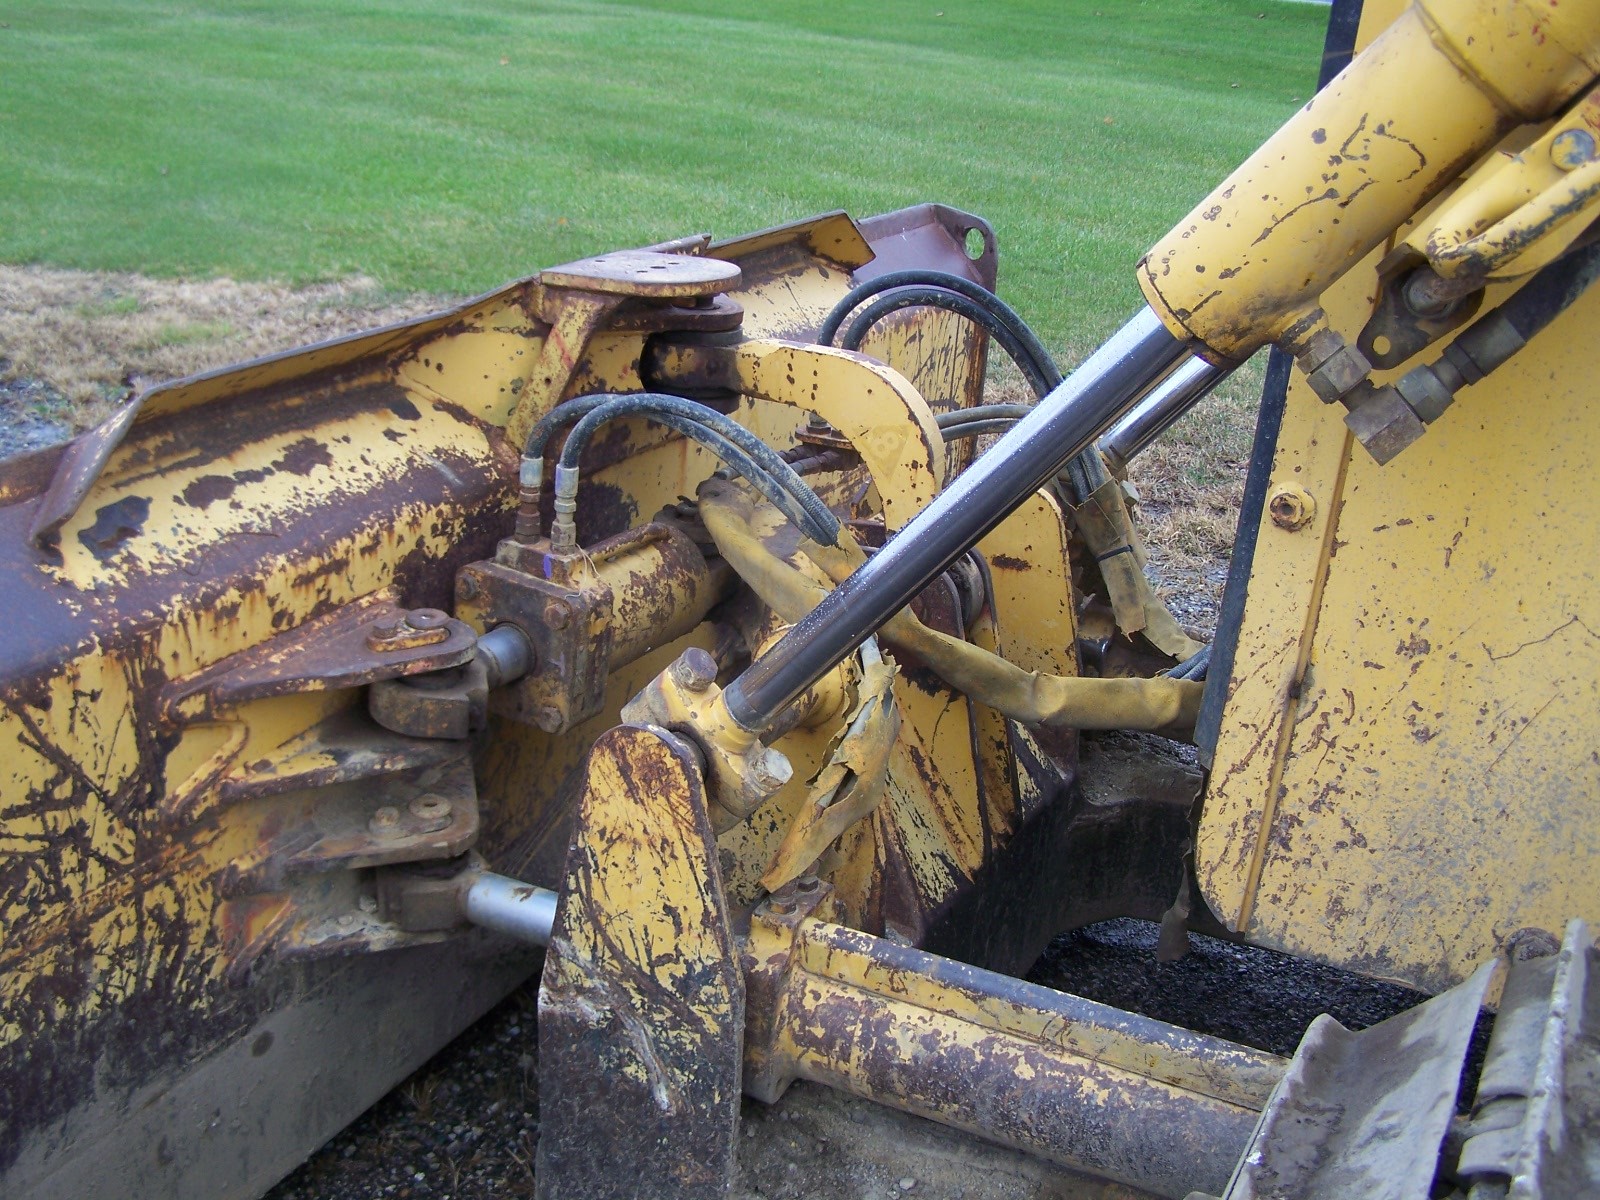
{"points": [[427, 618], [1292, 508], [466, 588], [548, 718], [557, 614], [695, 670], [433, 811], [771, 770], [385, 822], [1340, 374], [1384, 424]]}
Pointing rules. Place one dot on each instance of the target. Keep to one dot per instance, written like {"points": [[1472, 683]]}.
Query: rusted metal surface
{"points": [[81, 463], [641, 1007], [1085, 1085], [244, 505], [452, 703], [360, 643]]}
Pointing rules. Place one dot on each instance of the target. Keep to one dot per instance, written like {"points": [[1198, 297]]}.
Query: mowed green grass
{"points": [[448, 146]]}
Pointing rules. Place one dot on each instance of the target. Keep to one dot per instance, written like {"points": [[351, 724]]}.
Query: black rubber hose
{"points": [[1038, 374], [564, 413], [741, 449], [982, 412], [939, 289], [1002, 311], [972, 429], [1552, 291]]}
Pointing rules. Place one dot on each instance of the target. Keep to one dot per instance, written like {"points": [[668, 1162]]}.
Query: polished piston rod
{"points": [[1102, 389], [1152, 416]]}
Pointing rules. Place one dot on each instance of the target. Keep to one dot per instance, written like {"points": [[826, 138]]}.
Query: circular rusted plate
{"points": [[645, 273]]}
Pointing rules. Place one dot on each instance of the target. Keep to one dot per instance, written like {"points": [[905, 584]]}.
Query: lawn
{"points": [[446, 147]]}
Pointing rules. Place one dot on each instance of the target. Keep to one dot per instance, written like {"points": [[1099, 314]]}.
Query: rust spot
{"points": [[1009, 562], [114, 524], [1414, 647], [304, 456], [208, 489]]}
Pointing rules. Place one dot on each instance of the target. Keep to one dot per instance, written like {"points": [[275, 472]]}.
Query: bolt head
{"points": [[1292, 508], [466, 587], [1572, 148], [695, 670], [557, 614], [548, 718], [385, 821], [771, 771]]}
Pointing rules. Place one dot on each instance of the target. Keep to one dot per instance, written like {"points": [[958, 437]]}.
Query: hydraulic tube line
{"points": [[1067, 420], [1148, 419]]}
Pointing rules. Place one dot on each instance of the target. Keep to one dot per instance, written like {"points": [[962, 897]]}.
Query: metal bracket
{"points": [[641, 1008]]}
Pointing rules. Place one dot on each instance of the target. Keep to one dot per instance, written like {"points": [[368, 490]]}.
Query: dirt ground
{"points": [[73, 345]]}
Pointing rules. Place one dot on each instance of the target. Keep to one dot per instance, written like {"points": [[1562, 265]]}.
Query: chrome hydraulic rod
{"points": [[1105, 386], [509, 906], [1151, 417]]}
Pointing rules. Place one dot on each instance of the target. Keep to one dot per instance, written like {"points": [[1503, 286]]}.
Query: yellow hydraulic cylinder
{"points": [[1441, 86]]}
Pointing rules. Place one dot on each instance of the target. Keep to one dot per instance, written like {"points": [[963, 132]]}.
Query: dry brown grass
{"points": [[79, 336]]}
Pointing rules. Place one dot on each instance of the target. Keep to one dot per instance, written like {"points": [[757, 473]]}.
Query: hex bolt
{"points": [[783, 906], [427, 618], [1572, 148], [1292, 508], [771, 770], [557, 614], [466, 588], [385, 822], [695, 670], [548, 718], [367, 904]]}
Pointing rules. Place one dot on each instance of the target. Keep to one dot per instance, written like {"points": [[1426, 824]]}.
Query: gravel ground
{"points": [[29, 416]]}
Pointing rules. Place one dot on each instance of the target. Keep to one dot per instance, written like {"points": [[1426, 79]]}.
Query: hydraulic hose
{"points": [[982, 412], [732, 442], [938, 289], [1002, 312], [1038, 374]]}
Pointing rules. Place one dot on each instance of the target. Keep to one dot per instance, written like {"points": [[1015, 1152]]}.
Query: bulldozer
{"points": [[684, 625]]}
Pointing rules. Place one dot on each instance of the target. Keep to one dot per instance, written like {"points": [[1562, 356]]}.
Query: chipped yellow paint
{"points": [[1406, 769], [1438, 87], [873, 406]]}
